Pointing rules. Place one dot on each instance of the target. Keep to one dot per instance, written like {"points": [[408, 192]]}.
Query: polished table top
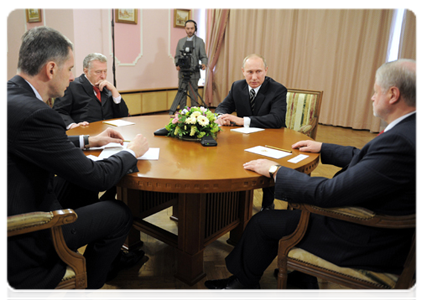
{"points": [[189, 167]]}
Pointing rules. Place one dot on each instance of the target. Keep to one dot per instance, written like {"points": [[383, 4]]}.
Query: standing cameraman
{"points": [[189, 51]]}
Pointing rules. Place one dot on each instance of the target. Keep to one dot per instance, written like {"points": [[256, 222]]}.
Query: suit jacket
{"points": [[380, 177], [199, 53], [270, 103], [37, 150], [80, 104]]}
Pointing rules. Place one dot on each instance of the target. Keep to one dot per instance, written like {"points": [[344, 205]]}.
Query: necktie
{"points": [[381, 132], [252, 99], [97, 92]]}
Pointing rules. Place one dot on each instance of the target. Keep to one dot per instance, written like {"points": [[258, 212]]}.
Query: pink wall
{"points": [[144, 51]]}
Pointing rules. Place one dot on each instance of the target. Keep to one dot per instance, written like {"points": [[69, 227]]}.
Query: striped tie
{"points": [[252, 99]]}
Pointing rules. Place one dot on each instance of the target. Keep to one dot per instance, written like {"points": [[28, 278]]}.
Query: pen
{"points": [[278, 149]]}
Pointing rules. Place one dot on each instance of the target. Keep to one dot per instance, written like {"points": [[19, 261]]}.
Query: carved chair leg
{"points": [[283, 272]]}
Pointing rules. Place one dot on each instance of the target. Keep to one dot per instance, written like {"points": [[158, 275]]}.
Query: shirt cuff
{"points": [[130, 151], [247, 122], [117, 100], [81, 142]]}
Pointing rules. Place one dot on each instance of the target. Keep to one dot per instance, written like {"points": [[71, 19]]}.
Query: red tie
{"points": [[381, 132], [97, 92]]}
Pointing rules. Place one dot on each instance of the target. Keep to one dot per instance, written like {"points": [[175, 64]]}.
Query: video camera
{"points": [[184, 62]]}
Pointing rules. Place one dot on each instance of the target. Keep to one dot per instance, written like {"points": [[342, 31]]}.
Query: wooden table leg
{"points": [[190, 238], [245, 213]]}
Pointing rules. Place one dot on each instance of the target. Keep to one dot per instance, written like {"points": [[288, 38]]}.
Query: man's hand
{"points": [[178, 68], [104, 83], [203, 67], [74, 125], [229, 120], [107, 136], [308, 146], [139, 145], [260, 166]]}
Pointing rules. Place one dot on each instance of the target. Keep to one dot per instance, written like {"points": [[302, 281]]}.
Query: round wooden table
{"points": [[209, 189]]}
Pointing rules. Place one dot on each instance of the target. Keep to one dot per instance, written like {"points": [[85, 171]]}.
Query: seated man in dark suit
{"points": [[90, 97], [39, 151], [380, 177], [259, 101]]}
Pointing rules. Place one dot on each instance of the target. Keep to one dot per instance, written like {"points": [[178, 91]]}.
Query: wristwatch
{"points": [[273, 169], [86, 143]]}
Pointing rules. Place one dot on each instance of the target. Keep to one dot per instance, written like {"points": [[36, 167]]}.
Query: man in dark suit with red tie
{"points": [[90, 97], [380, 177], [39, 151]]}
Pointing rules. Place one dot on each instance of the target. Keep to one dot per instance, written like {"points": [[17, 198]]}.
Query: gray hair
{"points": [[91, 57], [401, 74], [254, 55], [41, 45]]}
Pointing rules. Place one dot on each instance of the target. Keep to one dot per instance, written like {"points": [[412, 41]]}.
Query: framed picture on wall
{"points": [[181, 15], [126, 15], [33, 15]]}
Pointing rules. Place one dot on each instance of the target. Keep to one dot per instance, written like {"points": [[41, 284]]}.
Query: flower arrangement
{"points": [[194, 122]]}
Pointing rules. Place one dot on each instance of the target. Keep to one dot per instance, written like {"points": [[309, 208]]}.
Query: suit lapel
{"points": [[245, 96], [261, 96], [88, 87]]}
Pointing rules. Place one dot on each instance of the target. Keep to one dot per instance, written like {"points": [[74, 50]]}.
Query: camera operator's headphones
{"points": [[195, 24]]}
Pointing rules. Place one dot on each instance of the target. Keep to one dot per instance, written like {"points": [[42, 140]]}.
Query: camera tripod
{"points": [[181, 96]]}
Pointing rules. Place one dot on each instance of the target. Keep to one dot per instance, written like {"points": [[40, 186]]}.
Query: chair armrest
{"points": [[35, 221], [360, 215], [308, 129]]}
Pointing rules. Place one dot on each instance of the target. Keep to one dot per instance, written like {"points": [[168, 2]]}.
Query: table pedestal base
{"points": [[202, 219]]}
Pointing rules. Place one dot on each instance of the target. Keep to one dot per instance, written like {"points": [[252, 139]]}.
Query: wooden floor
{"points": [[157, 272]]}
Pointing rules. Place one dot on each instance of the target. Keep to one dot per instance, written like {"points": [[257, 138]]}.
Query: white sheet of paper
{"points": [[151, 154], [118, 123], [247, 129], [297, 158], [277, 154]]}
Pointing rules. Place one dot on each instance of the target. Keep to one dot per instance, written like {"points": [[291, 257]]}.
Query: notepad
{"points": [[118, 123], [276, 154], [247, 129]]}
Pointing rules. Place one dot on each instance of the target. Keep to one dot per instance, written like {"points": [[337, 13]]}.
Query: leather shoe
{"points": [[124, 260], [300, 280], [231, 283]]}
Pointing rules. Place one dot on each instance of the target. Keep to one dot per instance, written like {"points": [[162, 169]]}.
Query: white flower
{"points": [[203, 121], [190, 120], [195, 114]]}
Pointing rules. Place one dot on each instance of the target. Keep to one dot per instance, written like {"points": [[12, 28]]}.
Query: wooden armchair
{"points": [[298, 259], [303, 110], [76, 275]]}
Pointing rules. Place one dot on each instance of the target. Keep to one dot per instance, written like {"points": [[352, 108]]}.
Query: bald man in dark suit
{"points": [[259, 101]]}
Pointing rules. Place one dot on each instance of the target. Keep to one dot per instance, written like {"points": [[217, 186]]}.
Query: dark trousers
{"points": [[259, 243], [268, 196], [101, 225]]}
